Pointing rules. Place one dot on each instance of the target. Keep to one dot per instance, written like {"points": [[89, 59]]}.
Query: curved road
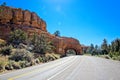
{"points": [[69, 68]]}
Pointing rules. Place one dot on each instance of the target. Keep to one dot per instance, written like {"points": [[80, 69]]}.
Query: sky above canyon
{"points": [[89, 21]]}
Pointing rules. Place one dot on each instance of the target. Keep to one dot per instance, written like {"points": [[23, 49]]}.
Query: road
{"points": [[69, 68]]}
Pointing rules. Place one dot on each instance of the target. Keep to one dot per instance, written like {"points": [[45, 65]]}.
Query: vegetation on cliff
{"points": [[21, 51]]}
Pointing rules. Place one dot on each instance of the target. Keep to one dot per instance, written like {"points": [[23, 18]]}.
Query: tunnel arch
{"points": [[63, 44], [70, 51]]}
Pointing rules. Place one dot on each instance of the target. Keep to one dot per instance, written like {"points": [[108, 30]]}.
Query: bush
{"points": [[17, 37], [2, 42], [116, 58], [9, 66], [51, 56], [37, 61], [23, 64], [107, 57], [13, 65], [41, 44], [6, 50], [16, 65], [3, 63], [43, 58], [40, 59], [21, 55]]}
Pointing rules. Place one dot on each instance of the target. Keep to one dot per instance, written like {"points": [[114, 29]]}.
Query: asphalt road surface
{"points": [[69, 68]]}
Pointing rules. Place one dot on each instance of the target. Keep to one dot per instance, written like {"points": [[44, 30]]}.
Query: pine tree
{"points": [[57, 33], [104, 47]]}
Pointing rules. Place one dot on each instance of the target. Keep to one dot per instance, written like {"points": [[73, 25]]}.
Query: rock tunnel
{"points": [[63, 44], [31, 23]]}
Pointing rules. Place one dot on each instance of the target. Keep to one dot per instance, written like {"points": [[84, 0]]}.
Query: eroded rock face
{"points": [[34, 19], [26, 17], [18, 18], [14, 18], [43, 24], [6, 14]]}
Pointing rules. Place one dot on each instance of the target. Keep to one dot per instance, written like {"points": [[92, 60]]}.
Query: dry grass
{"points": [[53, 55], [3, 62]]}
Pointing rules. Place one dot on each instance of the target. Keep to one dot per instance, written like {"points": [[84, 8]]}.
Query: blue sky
{"points": [[89, 21]]}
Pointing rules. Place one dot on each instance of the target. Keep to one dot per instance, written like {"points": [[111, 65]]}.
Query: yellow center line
{"points": [[36, 70]]}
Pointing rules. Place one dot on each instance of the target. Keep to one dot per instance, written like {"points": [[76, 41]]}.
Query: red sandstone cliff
{"points": [[15, 18]]}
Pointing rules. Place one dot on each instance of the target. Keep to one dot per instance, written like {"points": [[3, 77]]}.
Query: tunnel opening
{"points": [[70, 52]]}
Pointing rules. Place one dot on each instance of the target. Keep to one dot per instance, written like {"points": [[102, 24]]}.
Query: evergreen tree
{"points": [[90, 49], [57, 33], [104, 47], [3, 4], [42, 44], [18, 36], [96, 47]]}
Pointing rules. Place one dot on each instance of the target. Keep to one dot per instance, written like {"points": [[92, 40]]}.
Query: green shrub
{"points": [[116, 58], [13, 65], [40, 59], [41, 43], [21, 55], [9, 66], [43, 59], [16, 65], [6, 50], [18, 36], [22, 64]]}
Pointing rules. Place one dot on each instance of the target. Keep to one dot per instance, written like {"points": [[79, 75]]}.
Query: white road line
{"points": [[36, 70], [60, 72], [37, 66]]}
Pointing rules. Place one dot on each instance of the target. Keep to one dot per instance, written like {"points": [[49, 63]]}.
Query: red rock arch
{"points": [[64, 43]]}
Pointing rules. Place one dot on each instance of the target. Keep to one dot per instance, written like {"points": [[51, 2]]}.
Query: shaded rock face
{"points": [[64, 43], [15, 18]]}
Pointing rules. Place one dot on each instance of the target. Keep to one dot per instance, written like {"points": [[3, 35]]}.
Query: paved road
{"points": [[69, 68]]}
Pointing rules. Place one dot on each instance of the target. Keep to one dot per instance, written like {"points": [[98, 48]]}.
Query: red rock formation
{"points": [[34, 19], [64, 43], [13, 18], [26, 17], [6, 14], [17, 16]]}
